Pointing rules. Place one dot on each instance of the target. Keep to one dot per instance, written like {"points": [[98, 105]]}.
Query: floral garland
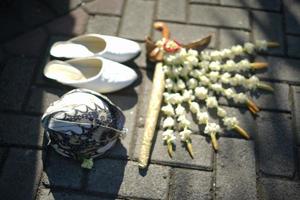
{"points": [[193, 79]]}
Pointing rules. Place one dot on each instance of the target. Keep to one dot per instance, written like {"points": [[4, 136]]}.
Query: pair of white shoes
{"points": [[95, 65]]}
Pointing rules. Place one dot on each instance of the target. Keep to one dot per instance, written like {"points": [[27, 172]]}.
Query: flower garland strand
{"points": [[192, 78]]}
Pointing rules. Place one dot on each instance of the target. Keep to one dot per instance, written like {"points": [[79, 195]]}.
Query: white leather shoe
{"points": [[94, 73], [110, 47]]}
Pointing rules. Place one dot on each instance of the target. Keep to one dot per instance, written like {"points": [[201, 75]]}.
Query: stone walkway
{"points": [[266, 167]]}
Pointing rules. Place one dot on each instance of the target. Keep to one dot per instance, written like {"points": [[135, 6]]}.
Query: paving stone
{"points": [[21, 174], [201, 146], [62, 6], [129, 106], [15, 81], [105, 25], [104, 7], [205, 1], [28, 44], [296, 112], [293, 44], [292, 16], [229, 38], [123, 178], [191, 184], [259, 4], [47, 194], [74, 23], [41, 98], [280, 69], [277, 100], [235, 173], [219, 16], [171, 10], [275, 137], [21, 130], [141, 61], [34, 13], [188, 33], [61, 171], [276, 189], [137, 19], [268, 26]]}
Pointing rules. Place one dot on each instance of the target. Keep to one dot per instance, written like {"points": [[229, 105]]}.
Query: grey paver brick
{"points": [[141, 61], [73, 23], [276, 189], [47, 194], [296, 112], [229, 38], [21, 174], [191, 184], [201, 147], [275, 137], [268, 26], [188, 33], [293, 46], [15, 81], [104, 7], [259, 4], [41, 98], [281, 69], [205, 1], [172, 10], [28, 44], [63, 6], [137, 19], [123, 178], [235, 173], [278, 100], [21, 130], [292, 16], [219, 16], [105, 25], [61, 171]]}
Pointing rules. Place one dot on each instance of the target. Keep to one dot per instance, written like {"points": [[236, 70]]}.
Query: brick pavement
{"points": [[265, 167]]}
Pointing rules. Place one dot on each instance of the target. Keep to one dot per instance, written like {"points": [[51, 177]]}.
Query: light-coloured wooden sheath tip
{"points": [[259, 65], [152, 115]]}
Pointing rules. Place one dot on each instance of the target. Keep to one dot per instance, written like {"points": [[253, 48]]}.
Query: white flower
{"points": [[168, 135], [211, 102], [169, 59], [182, 53], [217, 87], [169, 84], [192, 52], [237, 50], [192, 83], [180, 84], [188, 95], [227, 53], [196, 73], [201, 92], [183, 122], [215, 66], [249, 47], [261, 45], [229, 93], [168, 110], [204, 80], [179, 110], [167, 70], [215, 55], [252, 82], [212, 128], [205, 55], [229, 66], [221, 112], [174, 98], [176, 71], [204, 64], [185, 134], [225, 78], [237, 80], [187, 66], [193, 60], [244, 64], [239, 98], [169, 122], [230, 122], [194, 107], [202, 117], [213, 76]]}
